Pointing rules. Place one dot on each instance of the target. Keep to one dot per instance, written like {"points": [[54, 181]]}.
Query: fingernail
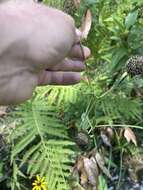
{"points": [[78, 35], [78, 32]]}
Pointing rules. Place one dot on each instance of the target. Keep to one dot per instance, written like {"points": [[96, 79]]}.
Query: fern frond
{"points": [[43, 146], [118, 106], [57, 95]]}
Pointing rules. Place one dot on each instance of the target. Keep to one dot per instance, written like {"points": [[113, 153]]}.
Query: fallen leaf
{"points": [[83, 177], [80, 163], [130, 136], [86, 24], [101, 163], [106, 140], [110, 132], [134, 164], [92, 171]]}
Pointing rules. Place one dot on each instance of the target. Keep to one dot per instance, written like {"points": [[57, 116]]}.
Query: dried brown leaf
{"points": [[92, 171], [134, 164], [83, 177], [106, 140], [101, 163], [80, 163], [110, 132], [130, 136], [86, 24]]}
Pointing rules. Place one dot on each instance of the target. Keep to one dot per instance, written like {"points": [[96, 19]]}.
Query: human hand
{"points": [[38, 46]]}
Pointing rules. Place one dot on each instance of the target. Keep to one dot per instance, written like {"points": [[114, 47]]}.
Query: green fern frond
{"points": [[57, 95], [43, 146], [118, 106]]}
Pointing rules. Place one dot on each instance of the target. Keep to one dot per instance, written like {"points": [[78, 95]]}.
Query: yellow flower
{"points": [[39, 183]]}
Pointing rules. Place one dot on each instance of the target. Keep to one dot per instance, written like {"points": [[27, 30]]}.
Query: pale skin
{"points": [[38, 46]]}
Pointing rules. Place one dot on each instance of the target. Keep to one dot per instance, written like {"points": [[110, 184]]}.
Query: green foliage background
{"points": [[34, 136]]}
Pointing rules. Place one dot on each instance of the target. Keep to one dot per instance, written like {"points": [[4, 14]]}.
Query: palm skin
{"points": [[39, 46]]}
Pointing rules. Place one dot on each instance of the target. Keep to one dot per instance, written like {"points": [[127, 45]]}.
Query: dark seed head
{"points": [[82, 139], [134, 65]]}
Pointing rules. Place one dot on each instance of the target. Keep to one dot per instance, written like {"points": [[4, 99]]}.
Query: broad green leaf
{"points": [[118, 55], [131, 19]]}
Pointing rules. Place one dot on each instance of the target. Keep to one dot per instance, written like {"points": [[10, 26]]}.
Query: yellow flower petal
{"points": [[38, 177], [34, 184], [44, 183], [43, 179], [37, 181], [34, 188], [43, 187]]}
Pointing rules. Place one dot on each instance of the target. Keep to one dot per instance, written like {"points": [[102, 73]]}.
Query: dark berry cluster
{"points": [[135, 65]]}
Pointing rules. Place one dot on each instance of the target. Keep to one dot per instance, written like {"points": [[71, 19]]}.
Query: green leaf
{"points": [[102, 183], [117, 56], [131, 19], [26, 140], [33, 161], [43, 146], [27, 155]]}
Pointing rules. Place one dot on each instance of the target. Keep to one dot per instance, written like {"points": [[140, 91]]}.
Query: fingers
{"points": [[58, 78], [69, 65], [78, 36], [77, 52]]}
